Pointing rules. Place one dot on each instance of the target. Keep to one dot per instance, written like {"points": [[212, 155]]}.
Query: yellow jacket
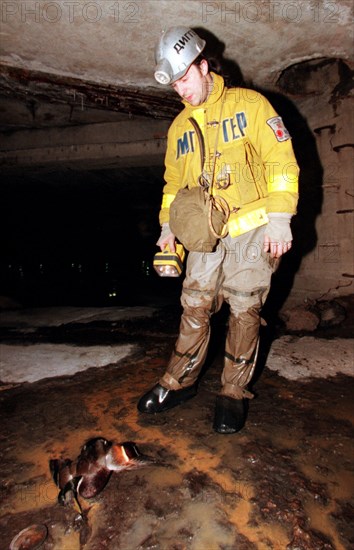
{"points": [[254, 168]]}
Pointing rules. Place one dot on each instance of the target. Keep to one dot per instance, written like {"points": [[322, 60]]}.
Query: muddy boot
{"points": [[179, 382], [160, 399], [230, 414], [239, 364]]}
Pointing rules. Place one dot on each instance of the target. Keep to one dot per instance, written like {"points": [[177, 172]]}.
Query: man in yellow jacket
{"points": [[248, 161]]}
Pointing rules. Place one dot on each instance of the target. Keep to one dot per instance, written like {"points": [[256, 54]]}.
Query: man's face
{"points": [[195, 85]]}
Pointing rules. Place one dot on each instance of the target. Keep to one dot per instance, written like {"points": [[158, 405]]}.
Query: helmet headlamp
{"points": [[163, 72]]}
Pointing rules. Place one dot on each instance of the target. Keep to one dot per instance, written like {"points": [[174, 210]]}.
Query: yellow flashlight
{"points": [[169, 264]]}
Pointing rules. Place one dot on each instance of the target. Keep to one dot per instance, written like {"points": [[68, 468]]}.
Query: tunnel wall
{"points": [[322, 91]]}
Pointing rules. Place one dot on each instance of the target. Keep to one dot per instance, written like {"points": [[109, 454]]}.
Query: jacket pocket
{"points": [[238, 158], [254, 172]]}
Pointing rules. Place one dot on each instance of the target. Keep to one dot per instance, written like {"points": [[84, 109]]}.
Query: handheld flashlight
{"points": [[169, 264]]}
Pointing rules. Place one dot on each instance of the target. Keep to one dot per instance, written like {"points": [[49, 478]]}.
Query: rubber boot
{"points": [[159, 399], [241, 351], [179, 381], [230, 414]]}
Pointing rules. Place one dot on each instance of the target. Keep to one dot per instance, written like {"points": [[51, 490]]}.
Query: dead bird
{"points": [[88, 475], [64, 476]]}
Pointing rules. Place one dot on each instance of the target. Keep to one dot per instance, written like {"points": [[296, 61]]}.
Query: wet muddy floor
{"points": [[284, 482]]}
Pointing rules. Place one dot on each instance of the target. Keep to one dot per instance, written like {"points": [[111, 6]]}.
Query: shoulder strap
{"points": [[202, 180], [200, 141]]}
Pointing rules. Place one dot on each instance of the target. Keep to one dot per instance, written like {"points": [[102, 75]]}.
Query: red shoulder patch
{"points": [[277, 125]]}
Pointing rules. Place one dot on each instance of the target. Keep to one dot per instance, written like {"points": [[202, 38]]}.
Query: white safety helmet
{"points": [[175, 52]]}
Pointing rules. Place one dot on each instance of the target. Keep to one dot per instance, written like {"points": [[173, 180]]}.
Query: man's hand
{"points": [[166, 238], [278, 237]]}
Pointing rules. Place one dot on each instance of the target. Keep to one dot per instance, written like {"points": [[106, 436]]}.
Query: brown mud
{"points": [[284, 482]]}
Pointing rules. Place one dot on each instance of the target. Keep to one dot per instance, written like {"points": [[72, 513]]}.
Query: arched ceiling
{"points": [[95, 56], [83, 123]]}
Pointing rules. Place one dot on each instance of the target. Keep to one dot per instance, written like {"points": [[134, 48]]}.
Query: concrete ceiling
{"points": [[83, 123], [72, 62]]}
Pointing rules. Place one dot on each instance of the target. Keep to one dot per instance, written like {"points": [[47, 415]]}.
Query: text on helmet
{"points": [[179, 46]]}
